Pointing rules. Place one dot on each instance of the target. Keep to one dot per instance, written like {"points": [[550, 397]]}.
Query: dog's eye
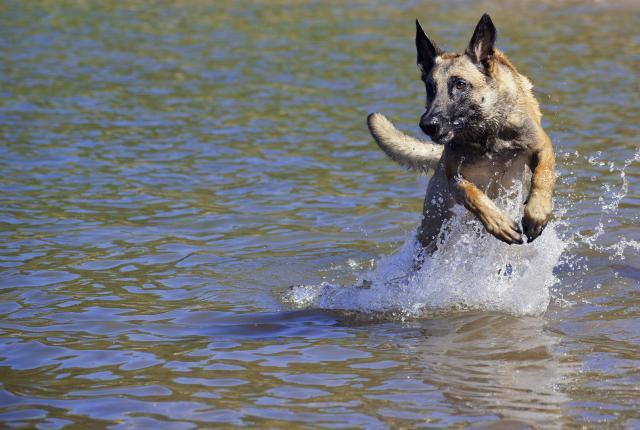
{"points": [[461, 85]]}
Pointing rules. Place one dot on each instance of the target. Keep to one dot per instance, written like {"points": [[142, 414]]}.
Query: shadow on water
{"points": [[480, 366], [507, 367]]}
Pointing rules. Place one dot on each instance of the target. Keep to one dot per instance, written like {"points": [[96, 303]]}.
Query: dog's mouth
{"points": [[457, 126], [445, 137]]}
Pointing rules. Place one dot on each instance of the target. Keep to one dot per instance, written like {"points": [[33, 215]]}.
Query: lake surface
{"points": [[170, 168]]}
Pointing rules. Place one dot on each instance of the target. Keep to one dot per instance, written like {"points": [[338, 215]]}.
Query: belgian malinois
{"points": [[485, 122]]}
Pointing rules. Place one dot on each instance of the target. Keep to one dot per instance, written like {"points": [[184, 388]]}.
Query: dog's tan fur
{"points": [[472, 170], [407, 151]]}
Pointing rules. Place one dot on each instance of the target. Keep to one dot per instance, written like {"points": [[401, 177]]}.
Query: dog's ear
{"points": [[480, 48], [427, 50]]}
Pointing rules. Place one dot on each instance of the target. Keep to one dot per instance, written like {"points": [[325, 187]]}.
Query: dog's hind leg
{"points": [[436, 210], [428, 233], [405, 150]]}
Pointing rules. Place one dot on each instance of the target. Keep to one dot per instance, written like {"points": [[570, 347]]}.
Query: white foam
{"points": [[470, 270]]}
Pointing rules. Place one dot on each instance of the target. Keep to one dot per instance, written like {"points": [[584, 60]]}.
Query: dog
{"points": [[485, 124]]}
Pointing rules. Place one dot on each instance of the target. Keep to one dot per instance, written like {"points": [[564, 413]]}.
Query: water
{"points": [[469, 270], [169, 169]]}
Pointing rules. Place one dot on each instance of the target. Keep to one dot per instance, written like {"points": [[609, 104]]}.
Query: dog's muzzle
{"points": [[437, 128]]}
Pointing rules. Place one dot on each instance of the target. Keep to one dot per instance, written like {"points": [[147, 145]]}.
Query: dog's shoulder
{"points": [[525, 95]]}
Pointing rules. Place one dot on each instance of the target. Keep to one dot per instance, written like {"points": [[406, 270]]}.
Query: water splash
{"points": [[595, 240], [473, 270], [609, 201], [469, 270]]}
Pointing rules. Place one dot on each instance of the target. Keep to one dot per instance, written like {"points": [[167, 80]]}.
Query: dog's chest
{"points": [[493, 173]]}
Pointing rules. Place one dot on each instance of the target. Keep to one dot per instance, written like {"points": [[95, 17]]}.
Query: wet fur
{"points": [[407, 151], [497, 139]]}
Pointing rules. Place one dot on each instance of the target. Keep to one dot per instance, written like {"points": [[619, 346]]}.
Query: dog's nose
{"points": [[430, 126]]}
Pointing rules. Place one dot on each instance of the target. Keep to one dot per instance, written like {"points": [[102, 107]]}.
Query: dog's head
{"points": [[462, 91]]}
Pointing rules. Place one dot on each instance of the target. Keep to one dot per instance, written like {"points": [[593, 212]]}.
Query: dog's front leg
{"points": [[538, 209], [494, 220]]}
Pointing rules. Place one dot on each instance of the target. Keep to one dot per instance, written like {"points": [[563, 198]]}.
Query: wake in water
{"points": [[469, 270], [473, 270]]}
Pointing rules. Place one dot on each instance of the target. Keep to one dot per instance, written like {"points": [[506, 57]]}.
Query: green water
{"points": [[169, 168]]}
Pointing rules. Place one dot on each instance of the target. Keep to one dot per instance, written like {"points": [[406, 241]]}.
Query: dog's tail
{"points": [[405, 150]]}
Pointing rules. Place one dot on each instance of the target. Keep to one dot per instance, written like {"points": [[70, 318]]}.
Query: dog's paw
{"points": [[537, 212], [502, 227]]}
